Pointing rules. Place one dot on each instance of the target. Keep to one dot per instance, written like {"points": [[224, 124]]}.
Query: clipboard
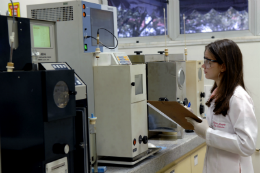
{"points": [[176, 112]]}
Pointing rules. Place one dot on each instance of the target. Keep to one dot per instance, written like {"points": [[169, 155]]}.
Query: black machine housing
{"points": [[32, 126]]}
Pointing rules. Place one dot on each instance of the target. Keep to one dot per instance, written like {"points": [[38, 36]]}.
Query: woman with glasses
{"points": [[230, 129]]}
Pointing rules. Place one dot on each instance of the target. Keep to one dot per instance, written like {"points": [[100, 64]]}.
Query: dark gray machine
{"points": [[43, 129], [165, 82], [37, 121]]}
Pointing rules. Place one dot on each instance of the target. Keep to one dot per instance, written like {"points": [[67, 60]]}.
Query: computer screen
{"points": [[102, 19], [41, 36]]}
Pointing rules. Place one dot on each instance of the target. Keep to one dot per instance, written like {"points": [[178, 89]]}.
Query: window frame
{"points": [[257, 17], [175, 25]]}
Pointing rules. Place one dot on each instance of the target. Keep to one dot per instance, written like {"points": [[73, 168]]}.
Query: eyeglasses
{"points": [[208, 62]]}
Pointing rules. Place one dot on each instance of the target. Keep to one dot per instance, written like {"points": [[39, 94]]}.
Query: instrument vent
{"points": [[53, 14]]}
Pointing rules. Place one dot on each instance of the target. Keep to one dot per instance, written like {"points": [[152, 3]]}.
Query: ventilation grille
{"points": [[53, 14]]}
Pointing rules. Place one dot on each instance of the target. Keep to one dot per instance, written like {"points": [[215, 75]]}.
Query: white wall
{"points": [[23, 3]]}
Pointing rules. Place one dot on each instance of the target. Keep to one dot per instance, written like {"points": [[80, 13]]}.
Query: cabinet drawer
{"points": [[197, 160], [183, 166]]}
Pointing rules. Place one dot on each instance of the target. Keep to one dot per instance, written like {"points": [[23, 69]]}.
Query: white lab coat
{"points": [[231, 140]]}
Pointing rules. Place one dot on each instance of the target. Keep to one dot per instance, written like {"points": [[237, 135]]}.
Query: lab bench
{"points": [[177, 155]]}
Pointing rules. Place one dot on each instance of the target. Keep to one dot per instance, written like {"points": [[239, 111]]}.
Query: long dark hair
{"points": [[228, 53]]}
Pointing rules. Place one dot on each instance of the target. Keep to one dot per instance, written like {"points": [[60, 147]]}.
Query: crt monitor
{"points": [[43, 40], [41, 36]]}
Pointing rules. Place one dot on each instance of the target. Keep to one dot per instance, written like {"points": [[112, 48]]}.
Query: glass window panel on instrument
{"points": [[137, 18], [213, 15], [138, 84]]}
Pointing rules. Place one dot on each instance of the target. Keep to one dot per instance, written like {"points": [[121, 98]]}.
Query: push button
{"points": [[134, 141], [140, 139], [145, 139], [202, 109]]}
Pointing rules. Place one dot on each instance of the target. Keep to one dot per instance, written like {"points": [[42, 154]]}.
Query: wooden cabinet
{"points": [[197, 160], [183, 166], [192, 162]]}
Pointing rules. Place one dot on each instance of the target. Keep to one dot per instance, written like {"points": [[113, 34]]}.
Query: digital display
{"points": [[41, 36]]}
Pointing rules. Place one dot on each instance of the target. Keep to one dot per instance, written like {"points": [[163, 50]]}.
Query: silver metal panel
{"points": [[163, 80]]}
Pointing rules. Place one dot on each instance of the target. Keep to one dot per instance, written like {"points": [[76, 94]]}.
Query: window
{"points": [[213, 15], [139, 18], [206, 19]]}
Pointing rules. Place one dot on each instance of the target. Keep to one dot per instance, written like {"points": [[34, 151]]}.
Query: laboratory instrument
{"points": [[37, 121], [75, 21], [34, 122], [78, 48], [166, 82], [120, 105]]}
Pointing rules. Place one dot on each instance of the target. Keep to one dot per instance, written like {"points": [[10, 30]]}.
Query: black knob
{"points": [[60, 148], [185, 102], [138, 52], [140, 139], [145, 139], [161, 52], [133, 84], [72, 92], [202, 95], [202, 109], [163, 99]]}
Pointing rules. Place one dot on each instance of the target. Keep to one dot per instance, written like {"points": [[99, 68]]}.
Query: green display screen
{"points": [[41, 36]]}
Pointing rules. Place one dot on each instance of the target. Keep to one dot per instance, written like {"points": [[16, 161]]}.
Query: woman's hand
{"points": [[189, 108], [199, 128]]}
